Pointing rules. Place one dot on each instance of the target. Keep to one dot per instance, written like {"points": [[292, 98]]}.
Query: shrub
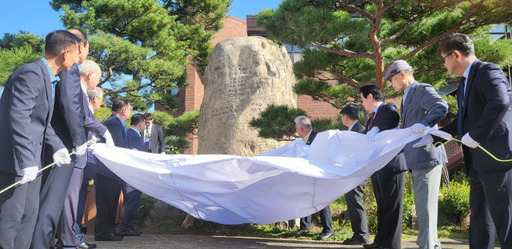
{"points": [[454, 200]]}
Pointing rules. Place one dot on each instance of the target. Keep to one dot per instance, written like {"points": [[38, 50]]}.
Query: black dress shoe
{"points": [[86, 245], [325, 235], [371, 246], [130, 232], [355, 241], [111, 237]]}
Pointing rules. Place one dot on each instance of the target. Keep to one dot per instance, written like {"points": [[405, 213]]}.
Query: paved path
{"points": [[160, 241]]}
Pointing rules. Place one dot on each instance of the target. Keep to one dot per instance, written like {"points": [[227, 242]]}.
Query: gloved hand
{"points": [[80, 150], [427, 139], [372, 133], [109, 142], [61, 157], [468, 141], [419, 128], [29, 174]]}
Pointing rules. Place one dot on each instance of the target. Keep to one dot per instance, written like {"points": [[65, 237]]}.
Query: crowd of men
{"points": [[484, 118], [47, 109]]}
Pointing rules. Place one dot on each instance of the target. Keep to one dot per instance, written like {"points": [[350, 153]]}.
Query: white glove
{"points": [[61, 157], [419, 128], [468, 141], [80, 150], [109, 142], [372, 133], [427, 139], [29, 174]]}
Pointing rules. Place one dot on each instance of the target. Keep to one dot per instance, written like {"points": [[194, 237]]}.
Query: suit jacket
{"points": [[487, 117], [68, 111], [358, 127], [311, 137], [387, 118], [157, 143], [135, 140], [118, 132], [423, 105], [26, 110]]}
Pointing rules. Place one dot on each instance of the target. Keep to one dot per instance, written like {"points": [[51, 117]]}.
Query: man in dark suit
{"points": [[306, 132], [484, 118], [108, 184], [354, 198], [388, 182], [26, 108], [131, 194], [153, 136], [421, 107]]}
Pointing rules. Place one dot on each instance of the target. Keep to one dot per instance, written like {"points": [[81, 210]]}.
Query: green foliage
{"points": [[277, 122], [176, 129], [353, 43], [455, 199]]}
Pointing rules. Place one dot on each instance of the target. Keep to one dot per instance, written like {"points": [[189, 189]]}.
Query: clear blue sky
{"points": [[37, 17]]}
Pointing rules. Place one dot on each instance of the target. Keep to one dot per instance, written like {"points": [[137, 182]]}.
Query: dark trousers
{"points": [[53, 192], [355, 207], [131, 205], [325, 220], [490, 201], [66, 233], [82, 197], [18, 211], [107, 198], [388, 186]]}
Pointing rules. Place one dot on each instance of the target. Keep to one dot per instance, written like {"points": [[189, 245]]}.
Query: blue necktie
{"points": [[460, 101]]}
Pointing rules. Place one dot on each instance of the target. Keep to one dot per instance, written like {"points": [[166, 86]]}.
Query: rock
{"points": [[162, 210], [244, 75]]}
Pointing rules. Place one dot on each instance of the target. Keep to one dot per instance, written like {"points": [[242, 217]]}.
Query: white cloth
{"points": [[271, 187]]}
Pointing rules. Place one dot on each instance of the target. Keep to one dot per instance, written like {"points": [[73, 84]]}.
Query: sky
{"points": [[37, 17]]}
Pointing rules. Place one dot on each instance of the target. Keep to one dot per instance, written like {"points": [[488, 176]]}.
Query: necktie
{"points": [[146, 138], [370, 121], [460, 101]]}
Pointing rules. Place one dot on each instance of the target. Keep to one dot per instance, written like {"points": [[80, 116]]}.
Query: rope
{"points": [[482, 148], [93, 140]]}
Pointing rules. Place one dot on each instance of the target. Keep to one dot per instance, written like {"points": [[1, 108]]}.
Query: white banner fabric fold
{"points": [[292, 181]]}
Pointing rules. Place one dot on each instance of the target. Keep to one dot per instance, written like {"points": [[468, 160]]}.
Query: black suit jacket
{"points": [[487, 116], [387, 118], [311, 137], [135, 140], [358, 127], [25, 112], [118, 132], [68, 112]]}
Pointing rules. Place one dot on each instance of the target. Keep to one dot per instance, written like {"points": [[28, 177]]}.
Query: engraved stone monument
{"points": [[244, 75]]}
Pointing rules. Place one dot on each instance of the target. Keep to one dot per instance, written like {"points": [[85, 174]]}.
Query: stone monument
{"points": [[244, 75]]}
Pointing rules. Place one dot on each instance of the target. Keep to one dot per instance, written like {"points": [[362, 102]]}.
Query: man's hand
{"points": [[372, 133], [468, 141], [427, 139], [80, 150], [109, 142], [61, 157], [419, 128], [29, 174]]}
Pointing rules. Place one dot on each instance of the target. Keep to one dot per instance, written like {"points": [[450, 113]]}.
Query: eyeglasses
{"points": [[444, 58]]}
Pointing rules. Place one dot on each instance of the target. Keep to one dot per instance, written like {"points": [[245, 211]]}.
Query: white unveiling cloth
{"points": [[275, 186]]}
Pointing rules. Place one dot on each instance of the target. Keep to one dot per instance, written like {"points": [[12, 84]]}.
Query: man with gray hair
{"points": [[305, 131], [421, 107]]}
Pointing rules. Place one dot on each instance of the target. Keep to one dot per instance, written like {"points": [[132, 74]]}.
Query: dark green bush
{"points": [[454, 200]]}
